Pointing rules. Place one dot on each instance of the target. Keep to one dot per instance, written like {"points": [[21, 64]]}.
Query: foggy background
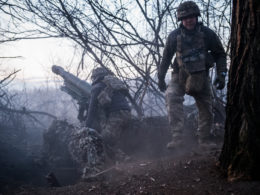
{"points": [[35, 35]]}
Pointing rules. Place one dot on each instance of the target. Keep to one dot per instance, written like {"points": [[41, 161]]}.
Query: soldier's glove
{"points": [[220, 81], [162, 85]]}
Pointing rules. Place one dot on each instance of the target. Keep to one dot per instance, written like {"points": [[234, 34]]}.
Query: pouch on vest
{"points": [[114, 83], [194, 61], [195, 83]]}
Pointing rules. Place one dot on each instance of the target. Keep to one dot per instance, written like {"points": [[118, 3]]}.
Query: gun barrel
{"points": [[57, 70], [70, 79]]}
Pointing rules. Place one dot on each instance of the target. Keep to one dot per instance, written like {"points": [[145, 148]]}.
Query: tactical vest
{"points": [[191, 52], [112, 84]]}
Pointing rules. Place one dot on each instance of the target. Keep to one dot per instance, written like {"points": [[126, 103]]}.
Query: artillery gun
{"points": [[74, 86], [78, 89]]}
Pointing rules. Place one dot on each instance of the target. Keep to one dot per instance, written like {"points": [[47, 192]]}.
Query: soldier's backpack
{"points": [[112, 84]]}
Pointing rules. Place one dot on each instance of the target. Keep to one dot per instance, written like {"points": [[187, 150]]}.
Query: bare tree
{"points": [[127, 35], [240, 157]]}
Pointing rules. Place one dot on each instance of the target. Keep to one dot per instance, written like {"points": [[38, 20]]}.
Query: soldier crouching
{"points": [[109, 106]]}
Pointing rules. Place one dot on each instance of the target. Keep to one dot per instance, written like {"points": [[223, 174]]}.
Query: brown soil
{"points": [[179, 173]]}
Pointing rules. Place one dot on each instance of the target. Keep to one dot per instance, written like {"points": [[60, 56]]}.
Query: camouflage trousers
{"points": [[174, 102], [114, 125]]}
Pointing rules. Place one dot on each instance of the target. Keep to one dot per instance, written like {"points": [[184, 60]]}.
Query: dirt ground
{"points": [[184, 172]]}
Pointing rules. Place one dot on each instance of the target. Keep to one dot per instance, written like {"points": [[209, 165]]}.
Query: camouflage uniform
{"points": [[174, 102], [114, 116], [115, 124], [196, 51]]}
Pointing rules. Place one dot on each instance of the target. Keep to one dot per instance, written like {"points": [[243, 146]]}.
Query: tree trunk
{"points": [[240, 156]]}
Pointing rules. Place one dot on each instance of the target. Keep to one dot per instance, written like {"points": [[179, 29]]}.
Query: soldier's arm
{"points": [[93, 106], [218, 53], [168, 53]]}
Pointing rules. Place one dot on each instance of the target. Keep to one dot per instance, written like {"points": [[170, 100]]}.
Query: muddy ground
{"points": [[189, 171]]}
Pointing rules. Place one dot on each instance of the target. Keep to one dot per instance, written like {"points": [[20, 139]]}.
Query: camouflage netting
{"points": [[86, 148], [69, 147]]}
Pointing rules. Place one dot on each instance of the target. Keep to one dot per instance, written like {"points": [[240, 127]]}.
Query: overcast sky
{"points": [[37, 57]]}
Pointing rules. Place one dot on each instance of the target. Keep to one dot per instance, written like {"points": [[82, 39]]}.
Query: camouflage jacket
{"points": [[212, 44], [118, 102]]}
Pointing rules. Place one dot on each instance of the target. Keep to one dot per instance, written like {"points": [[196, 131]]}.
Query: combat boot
{"points": [[174, 144]]}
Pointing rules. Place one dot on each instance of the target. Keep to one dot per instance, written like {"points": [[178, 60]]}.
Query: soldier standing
{"points": [[108, 103], [197, 48]]}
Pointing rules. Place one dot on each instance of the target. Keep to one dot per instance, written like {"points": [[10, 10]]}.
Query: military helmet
{"points": [[99, 72], [188, 8]]}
